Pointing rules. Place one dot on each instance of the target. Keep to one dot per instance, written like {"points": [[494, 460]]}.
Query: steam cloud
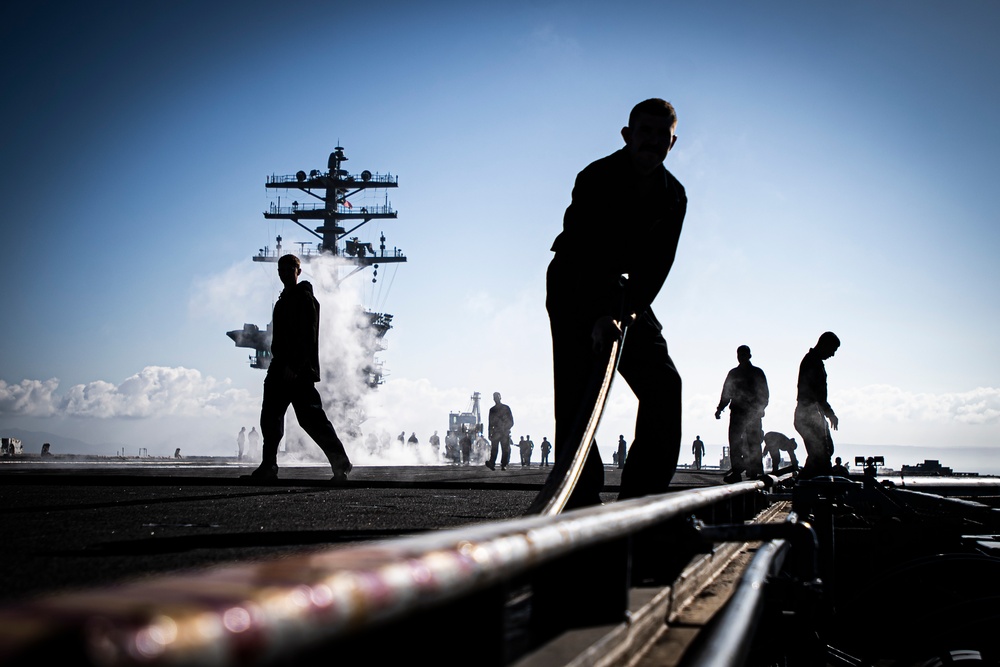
{"points": [[346, 338]]}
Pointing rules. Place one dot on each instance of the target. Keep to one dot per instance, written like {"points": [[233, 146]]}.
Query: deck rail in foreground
{"points": [[275, 610]]}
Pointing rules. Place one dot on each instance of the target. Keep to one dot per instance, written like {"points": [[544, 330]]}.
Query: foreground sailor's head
{"points": [[289, 268], [649, 135], [827, 345]]}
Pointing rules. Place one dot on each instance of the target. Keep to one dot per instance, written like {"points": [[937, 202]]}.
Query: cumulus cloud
{"points": [[978, 406], [31, 398], [155, 391]]}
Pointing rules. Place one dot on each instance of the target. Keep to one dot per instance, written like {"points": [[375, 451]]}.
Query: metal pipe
{"points": [[271, 609], [941, 482], [800, 533], [731, 635], [969, 509], [727, 641]]}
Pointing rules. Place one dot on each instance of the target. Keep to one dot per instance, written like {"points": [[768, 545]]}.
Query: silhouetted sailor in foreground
{"points": [[293, 374], [501, 422], [812, 409], [745, 392], [630, 197]]}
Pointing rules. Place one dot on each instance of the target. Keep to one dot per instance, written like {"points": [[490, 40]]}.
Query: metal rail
{"points": [[728, 642], [797, 532], [730, 636], [988, 517], [273, 610], [955, 485]]}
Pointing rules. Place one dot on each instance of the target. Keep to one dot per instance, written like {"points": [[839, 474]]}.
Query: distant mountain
{"points": [[33, 440]]}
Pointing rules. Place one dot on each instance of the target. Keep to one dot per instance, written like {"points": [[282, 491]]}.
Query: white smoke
{"points": [[367, 420], [346, 355], [222, 298]]}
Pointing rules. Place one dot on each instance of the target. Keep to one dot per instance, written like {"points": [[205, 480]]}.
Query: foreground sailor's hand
{"points": [[606, 331], [834, 422]]}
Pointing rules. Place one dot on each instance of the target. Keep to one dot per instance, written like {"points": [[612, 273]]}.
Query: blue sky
{"points": [[839, 160]]}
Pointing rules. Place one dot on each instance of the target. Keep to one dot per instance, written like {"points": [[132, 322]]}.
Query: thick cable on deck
{"points": [[562, 480], [559, 486]]}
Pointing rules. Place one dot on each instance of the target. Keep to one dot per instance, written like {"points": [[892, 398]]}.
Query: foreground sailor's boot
{"points": [[266, 471], [340, 474]]}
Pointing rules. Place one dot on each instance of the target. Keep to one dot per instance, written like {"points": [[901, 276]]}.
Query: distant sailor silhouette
{"points": [[501, 421], [698, 449]]}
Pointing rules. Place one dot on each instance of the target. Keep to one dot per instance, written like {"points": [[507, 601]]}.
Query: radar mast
{"points": [[325, 202]]}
